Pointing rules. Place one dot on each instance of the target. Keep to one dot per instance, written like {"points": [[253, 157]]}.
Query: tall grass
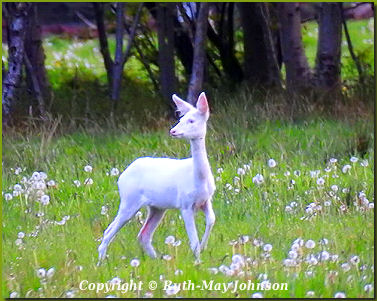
{"points": [[244, 133], [308, 222]]}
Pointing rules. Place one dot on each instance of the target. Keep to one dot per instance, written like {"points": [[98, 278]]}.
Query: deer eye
{"points": [[191, 121]]}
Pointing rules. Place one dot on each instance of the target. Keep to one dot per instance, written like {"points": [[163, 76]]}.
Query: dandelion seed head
{"points": [[172, 290], [88, 168], [45, 200], [240, 171], [345, 266], [310, 244], [50, 272], [267, 247], [169, 240], [320, 181], [167, 257], [271, 163], [14, 295], [257, 295], [292, 254], [355, 260], [135, 262], [368, 287], [88, 181], [104, 210], [114, 172], [333, 160], [41, 273], [346, 168], [8, 197], [258, 179], [340, 295]]}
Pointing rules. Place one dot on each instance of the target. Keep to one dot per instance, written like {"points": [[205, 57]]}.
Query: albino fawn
{"points": [[163, 183]]}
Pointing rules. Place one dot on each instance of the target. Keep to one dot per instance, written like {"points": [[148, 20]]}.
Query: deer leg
{"points": [[123, 216], [145, 235], [188, 216], [210, 221]]}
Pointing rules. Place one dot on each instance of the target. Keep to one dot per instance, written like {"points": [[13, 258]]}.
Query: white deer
{"points": [[163, 183]]}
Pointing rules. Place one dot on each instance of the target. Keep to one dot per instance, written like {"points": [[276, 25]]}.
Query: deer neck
{"points": [[202, 169]]}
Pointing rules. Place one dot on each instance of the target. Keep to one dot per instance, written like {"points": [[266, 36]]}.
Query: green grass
{"points": [[362, 38], [235, 138], [245, 128]]}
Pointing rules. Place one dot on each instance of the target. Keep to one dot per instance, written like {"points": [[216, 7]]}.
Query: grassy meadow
{"points": [[294, 201]]}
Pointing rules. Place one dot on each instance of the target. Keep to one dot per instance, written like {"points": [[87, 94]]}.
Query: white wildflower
{"points": [[310, 244], [114, 171], [41, 273], [258, 179], [45, 200], [50, 273], [88, 168], [240, 171], [88, 181], [272, 163], [257, 295], [340, 295], [320, 181], [135, 262], [169, 240], [346, 168]]}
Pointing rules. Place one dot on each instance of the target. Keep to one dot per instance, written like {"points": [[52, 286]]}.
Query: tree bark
{"points": [[104, 47], [224, 42], [296, 65], [118, 61], [165, 24], [34, 60], [327, 69], [260, 62], [114, 68], [197, 75], [182, 42], [272, 48], [17, 29], [35, 86]]}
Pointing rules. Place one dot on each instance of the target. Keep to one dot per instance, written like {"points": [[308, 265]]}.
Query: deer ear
{"points": [[202, 104], [182, 106]]}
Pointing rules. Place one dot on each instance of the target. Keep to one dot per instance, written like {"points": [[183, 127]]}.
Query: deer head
{"points": [[193, 120]]}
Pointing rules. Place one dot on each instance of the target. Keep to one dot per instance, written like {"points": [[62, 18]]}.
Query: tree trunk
{"points": [[272, 47], [196, 80], [165, 24], [182, 42], [104, 47], [224, 42], [327, 70], [260, 62], [34, 60], [296, 65], [17, 29], [118, 61]]}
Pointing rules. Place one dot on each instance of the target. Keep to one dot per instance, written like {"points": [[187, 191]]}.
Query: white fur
{"points": [[164, 183]]}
